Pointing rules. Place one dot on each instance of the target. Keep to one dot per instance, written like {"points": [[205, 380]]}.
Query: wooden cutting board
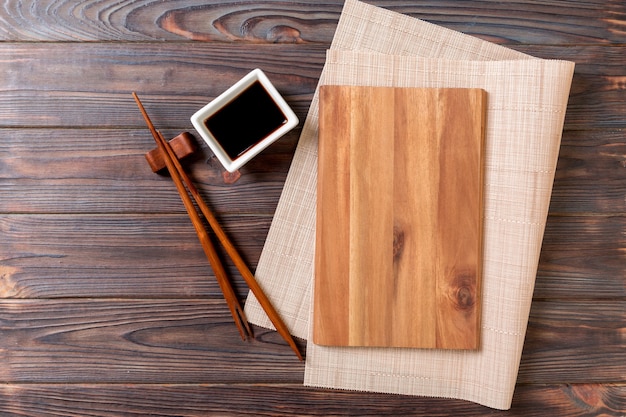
{"points": [[399, 217]]}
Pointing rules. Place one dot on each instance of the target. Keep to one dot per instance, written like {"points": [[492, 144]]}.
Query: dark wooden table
{"points": [[108, 306]]}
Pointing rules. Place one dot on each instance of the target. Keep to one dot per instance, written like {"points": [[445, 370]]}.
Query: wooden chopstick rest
{"points": [[183, 146]]}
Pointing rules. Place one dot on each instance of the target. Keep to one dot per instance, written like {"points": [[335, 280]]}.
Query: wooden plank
{"points": [[590, 175], [582, 257], [400, 257], [44, 400], [273, 21], [331, 158], [567, 341], [44, 76], [173, 82], [136, 341], [371, 279], [48, 175], [227, 21], [139, 255], [195, 341], [130, 256]]}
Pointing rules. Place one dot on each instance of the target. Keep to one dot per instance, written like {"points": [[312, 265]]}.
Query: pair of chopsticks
{"points": [[181, 179]]}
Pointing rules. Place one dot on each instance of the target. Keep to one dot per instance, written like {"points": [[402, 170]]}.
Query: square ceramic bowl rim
{"points": [[201, 115]]}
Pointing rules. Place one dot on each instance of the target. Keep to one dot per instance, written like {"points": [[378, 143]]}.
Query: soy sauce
{"points": [[246, 120]]}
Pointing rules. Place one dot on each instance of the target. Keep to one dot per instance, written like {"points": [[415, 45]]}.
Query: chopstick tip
{"points": [[298, 354]]}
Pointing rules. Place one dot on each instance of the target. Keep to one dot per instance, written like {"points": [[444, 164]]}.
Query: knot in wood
{"points": [[398, 242], [284, 34], [464, 298], [463, 291]]}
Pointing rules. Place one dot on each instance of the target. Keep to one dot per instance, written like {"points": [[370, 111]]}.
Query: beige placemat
{"points": [[527, 98]]}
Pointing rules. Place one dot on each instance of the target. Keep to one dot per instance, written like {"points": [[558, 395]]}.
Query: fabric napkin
{"points": [[527, 98]]}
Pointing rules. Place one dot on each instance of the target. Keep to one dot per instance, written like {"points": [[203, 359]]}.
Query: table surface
{"points": [[108, 306]]}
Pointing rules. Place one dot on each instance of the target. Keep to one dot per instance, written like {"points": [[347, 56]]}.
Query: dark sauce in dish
{"points": [[246, 120]]}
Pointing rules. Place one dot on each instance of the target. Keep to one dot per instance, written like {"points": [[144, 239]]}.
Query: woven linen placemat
{"points": [[526, 100]]}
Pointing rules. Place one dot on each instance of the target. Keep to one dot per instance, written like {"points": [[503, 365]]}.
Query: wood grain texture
{"points": [[583, 257], [275, 21], [50, 174], [176, 80], [184, 340], [292, 399], [173, 80], [130, 256], [399, 254], [588, 329], [590, 174], [107, 306], [111, 341]]}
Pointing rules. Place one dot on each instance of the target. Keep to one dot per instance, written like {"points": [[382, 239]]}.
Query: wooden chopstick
{"points": [[209, 250], [232, 252]]}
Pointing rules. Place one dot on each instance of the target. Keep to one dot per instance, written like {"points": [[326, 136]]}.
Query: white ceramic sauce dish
{"points": [[244, 120]]}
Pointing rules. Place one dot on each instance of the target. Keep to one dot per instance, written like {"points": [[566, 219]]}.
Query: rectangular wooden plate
{"points": [[399, 217]]}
